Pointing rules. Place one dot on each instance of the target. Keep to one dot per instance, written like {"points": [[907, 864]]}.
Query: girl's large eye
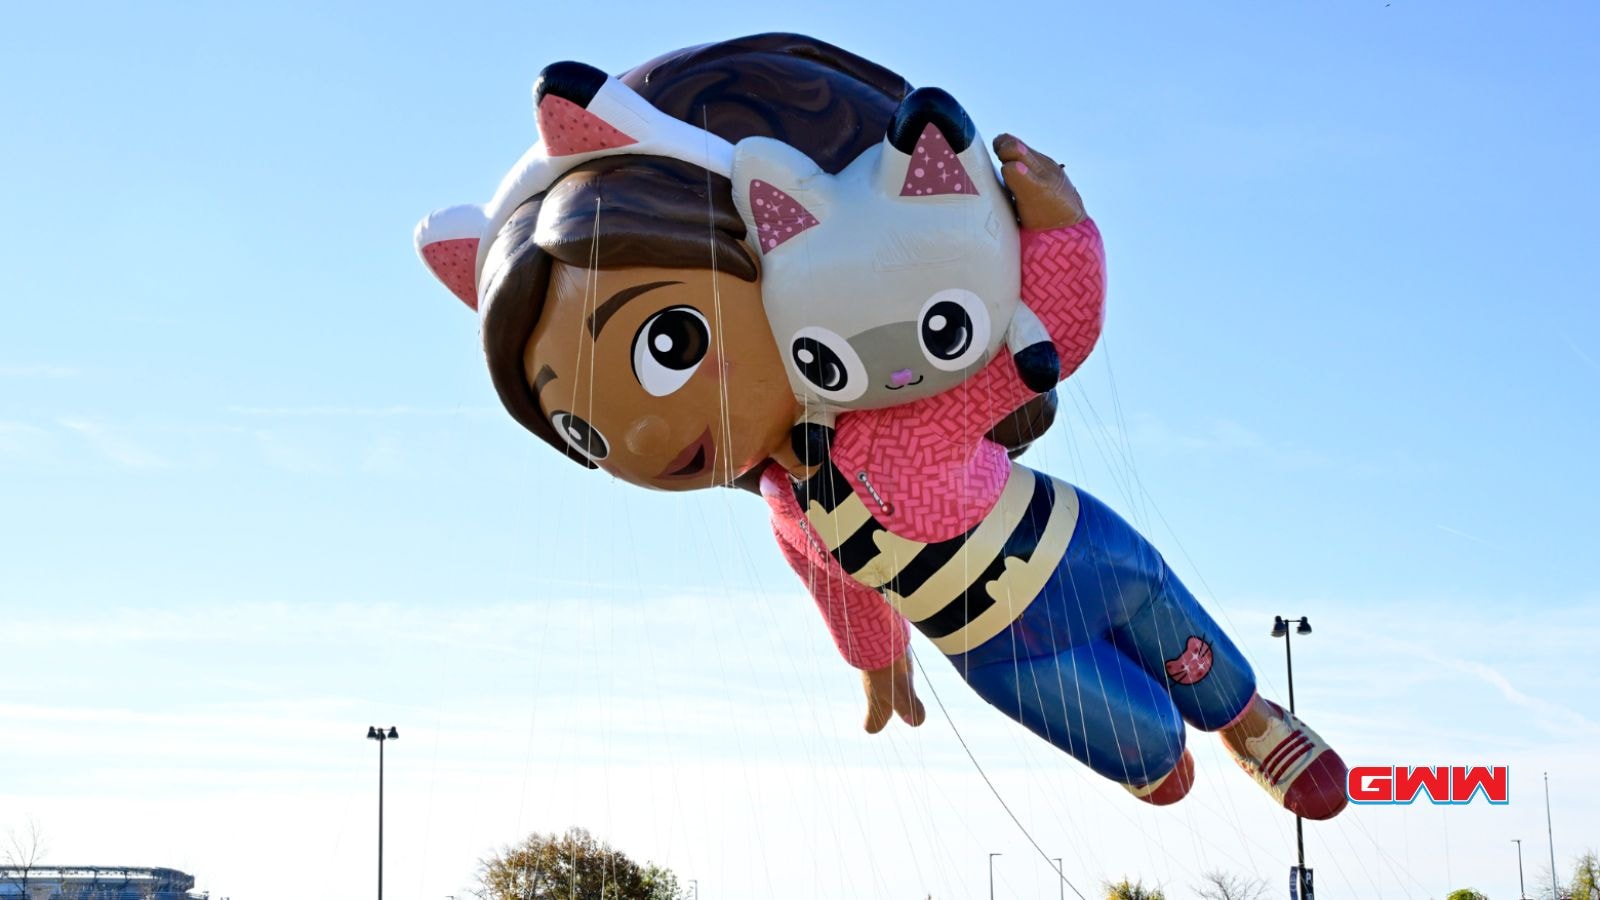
{"points": [[668, 349], [828, 363], [953, 329], [581, 436]]}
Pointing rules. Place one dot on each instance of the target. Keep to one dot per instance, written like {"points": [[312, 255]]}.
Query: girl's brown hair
{"points": [[627, 211]]}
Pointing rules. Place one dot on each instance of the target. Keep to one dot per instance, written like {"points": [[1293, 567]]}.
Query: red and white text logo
{"points": [[1439, 784]]}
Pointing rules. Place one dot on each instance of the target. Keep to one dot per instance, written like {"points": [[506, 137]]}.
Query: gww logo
{"points": [[1440, 784]]}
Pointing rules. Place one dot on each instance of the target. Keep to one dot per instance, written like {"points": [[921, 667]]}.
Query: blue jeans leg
{"points": [[1093, 702]]}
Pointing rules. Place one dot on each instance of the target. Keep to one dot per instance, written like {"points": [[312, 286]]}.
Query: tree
{"points": [[1222, 886], [1541, 886], [1132, 890], [1466, 894], [571, 866], [1586, 877], [24, 849]]}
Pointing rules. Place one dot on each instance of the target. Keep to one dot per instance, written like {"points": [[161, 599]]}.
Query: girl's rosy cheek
{"points": [[648, 435]]}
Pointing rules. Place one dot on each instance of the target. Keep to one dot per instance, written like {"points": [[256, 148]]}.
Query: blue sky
{"points": [[256, 494]]}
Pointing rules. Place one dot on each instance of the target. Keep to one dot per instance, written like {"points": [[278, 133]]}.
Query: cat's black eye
{"points": [[820, 365], [953, 329], [946, 330]]}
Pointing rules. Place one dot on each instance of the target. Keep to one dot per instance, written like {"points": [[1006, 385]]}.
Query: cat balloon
{"points": [[900, 276]]}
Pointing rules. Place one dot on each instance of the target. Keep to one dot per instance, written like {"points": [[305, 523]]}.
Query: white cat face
{"points": [[895, 279]]}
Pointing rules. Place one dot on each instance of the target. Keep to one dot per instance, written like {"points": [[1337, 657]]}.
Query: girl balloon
{"points": [[620, 271]]}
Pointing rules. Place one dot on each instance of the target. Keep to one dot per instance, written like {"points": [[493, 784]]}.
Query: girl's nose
{"points": [[901, 378]]}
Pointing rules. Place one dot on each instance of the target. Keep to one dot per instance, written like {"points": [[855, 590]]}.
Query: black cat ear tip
{"points": [[570, 80], [1039, 367], [930, 106]]}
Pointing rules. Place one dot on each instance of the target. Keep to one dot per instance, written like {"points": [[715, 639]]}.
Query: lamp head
{"points": [[1305, 627], [372, 734], [1279, 626], [394, 734]]}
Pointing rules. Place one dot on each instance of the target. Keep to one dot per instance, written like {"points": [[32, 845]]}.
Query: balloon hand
{"points": [[890, 690], [1045, 196]]}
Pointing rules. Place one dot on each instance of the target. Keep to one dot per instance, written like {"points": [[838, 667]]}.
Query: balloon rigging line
{"points": [[1122, 451], [1130, 478], [724, 410], [665, 747], [985, 775], [592, 299], [1125, 443], [732, 721], [724, 403], [1149, 502], [1128, 467]]}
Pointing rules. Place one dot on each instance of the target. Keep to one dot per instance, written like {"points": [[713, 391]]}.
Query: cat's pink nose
{"points": [[901, 378]]}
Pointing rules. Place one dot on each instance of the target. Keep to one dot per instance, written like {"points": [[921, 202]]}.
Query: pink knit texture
{"points": [[867, 631], [1064, 283], [927, 462]]}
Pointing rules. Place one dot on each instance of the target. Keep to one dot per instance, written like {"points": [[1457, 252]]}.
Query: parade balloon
{"points": [[769, 261]]}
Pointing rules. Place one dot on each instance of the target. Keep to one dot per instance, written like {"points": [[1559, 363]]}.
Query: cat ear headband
{"points": [[583, 114]]}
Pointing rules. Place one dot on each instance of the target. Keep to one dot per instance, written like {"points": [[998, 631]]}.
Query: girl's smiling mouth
{"points": [[693, 459]]}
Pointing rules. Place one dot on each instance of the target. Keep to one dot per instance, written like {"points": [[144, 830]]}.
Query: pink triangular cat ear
{"points": [[564, 103], [923, 146], [934, 168], [447, 241], [568, 128], [778, 216], [780, 192]]}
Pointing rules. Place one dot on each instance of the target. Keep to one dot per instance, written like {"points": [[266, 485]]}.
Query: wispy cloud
{"points": [[41, 370], [288, 455], [1573, 346], [19, 440], [1457, 647], [1462, 534], [696, 730], [1216, 436], [114, 446], [385, 458]]}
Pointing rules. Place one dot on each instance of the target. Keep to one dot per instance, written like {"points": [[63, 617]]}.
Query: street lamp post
{"points": [[1555, 888], [1061, 877], [1280, 628], [374, 733], [991, 873], [1522, 887]]}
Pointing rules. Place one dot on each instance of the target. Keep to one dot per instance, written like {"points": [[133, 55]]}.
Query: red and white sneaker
{"points": [[1169, 788], [1288, 759]]}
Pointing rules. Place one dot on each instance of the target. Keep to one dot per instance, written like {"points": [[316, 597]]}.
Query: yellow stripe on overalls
{"points": [[1022, 582], [982, 546], [834, 528]]}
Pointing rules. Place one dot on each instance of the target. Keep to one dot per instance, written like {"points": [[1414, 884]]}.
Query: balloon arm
{"points": [[867, 631], [1063, 287]]}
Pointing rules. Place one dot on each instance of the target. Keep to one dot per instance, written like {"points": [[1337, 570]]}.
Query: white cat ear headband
{"points": [[582, 114]]}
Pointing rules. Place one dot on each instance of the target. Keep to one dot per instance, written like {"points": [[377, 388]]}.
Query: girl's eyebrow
{"points": [[604, 312], [544, 377]]}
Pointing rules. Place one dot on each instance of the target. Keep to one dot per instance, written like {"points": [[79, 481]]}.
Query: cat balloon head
{"points": [[895, 279]]}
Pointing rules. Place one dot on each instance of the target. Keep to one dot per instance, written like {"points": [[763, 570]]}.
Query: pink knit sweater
{"points": [[925, 469]]}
